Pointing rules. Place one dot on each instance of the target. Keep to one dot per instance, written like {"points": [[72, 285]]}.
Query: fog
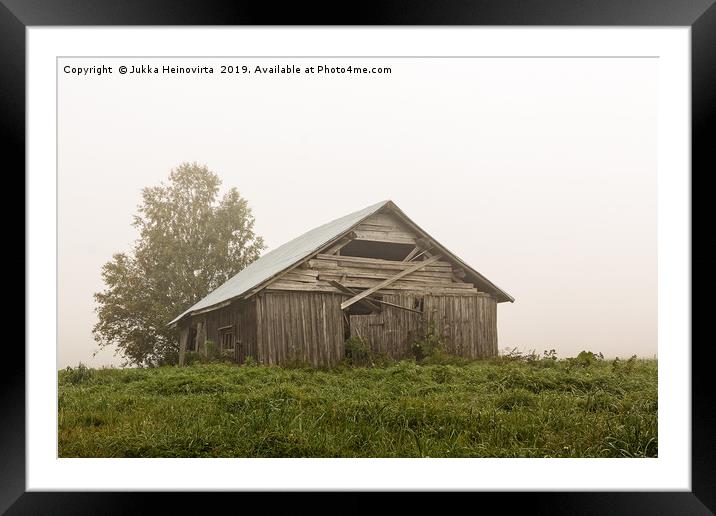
{"points": [[539, 173]]}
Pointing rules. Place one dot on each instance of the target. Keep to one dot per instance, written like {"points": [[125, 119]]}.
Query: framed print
{"points": [[434, 249]]}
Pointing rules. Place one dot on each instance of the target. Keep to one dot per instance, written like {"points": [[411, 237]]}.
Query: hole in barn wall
{"points": [[361, 308], [381, 250]]}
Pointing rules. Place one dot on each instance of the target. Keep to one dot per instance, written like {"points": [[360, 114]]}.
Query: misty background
{"points": [[540, 173]]}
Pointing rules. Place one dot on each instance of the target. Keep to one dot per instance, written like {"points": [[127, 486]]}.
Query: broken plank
{"points": [[352, 292], [341, 244], [368, 303], [412, 253], [387, 282]]}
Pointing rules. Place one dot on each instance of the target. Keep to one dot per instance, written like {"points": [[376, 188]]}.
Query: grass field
{"points": [[497, 408]]}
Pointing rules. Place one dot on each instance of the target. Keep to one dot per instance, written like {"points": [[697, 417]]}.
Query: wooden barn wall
{"points": [[355, 272], [393, 330], [300, 326], [241, 316], [467, 325]]}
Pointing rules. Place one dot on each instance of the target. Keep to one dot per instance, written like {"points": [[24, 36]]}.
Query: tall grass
{"points": [[498, 408]]}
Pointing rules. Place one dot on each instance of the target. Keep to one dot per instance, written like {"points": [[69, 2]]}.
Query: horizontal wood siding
{"points": [[302, 327], [384, 228], [362, 273], [467, 325]]}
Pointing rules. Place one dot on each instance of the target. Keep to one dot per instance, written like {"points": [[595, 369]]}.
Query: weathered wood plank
{"points": [[374, 261], [388, 281], [183, 338], [367, 302], [385, 236], [443, 277], [341, 244], [369, 299], [368, 280], [412, 253]]}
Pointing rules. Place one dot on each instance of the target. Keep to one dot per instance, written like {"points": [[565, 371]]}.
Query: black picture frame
{"points": [[700, 15]]}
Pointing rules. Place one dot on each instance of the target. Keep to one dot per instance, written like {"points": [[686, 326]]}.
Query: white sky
{"points": [[540, 173]]}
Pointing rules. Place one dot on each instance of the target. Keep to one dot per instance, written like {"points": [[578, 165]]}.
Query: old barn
{"points": [[373, 273]]}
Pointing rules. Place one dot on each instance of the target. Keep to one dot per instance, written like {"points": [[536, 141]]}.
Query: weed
{"points": [[357, 351], [79, 375], [428, 344]]}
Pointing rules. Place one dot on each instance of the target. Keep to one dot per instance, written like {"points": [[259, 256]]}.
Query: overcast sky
{"points": [[540, 173]]}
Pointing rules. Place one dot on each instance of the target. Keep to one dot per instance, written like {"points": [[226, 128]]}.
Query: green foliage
{"points": [[297, 363], [509, 355], [585, 359], [428, 345], [357, 351], [213, 352], [439, 357], [514, 398], [483, 408], [629, 366], [195, 357], [250, 361], [79, 375], [190, 242], [549, 355]]}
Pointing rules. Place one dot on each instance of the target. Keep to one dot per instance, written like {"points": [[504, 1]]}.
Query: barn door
{"points": [[369, 327]]}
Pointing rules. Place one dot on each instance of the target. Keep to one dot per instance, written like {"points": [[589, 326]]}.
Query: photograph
{"points": [[357, 257], [446, 249]]}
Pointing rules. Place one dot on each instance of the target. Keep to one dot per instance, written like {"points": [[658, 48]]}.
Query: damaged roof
{"points": [[274, 262]]}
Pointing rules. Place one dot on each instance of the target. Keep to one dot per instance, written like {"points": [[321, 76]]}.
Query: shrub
{"points": [[358, 351], [213, 352], [585, 359], [439, 357], [629, 366], [382, 360], [195, 357], [547, 359], [510, 355], [78, 375], [549, 355], [428, 345], [226, 355]]}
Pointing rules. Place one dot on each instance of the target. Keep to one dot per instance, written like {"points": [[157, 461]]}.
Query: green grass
{"points": [[496, 408]]}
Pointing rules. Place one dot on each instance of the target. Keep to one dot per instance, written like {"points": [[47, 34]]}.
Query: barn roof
{"points": [[274, 262]]}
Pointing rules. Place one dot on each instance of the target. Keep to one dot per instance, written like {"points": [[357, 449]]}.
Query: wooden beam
{"points": [[183, 338], [425, 252], [342, 243], [389, 281], [201, 338], [412, 253], [352, 292], [368, 302]]}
